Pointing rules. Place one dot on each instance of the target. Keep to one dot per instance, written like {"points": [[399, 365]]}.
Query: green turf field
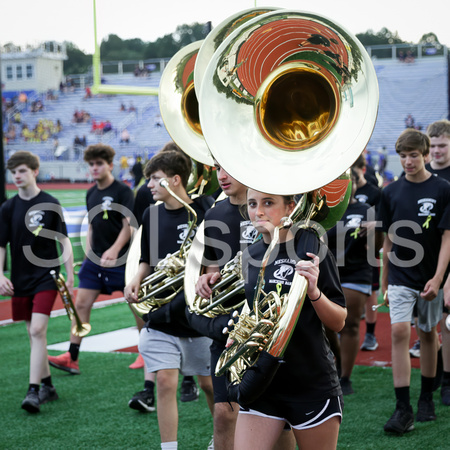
{"points": [[93, 411]]}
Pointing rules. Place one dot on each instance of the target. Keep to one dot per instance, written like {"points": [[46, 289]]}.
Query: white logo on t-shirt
{"points": [[106, 203], [354, 221], [248, 232], [283, 272], [425, 206], [36, 218]]}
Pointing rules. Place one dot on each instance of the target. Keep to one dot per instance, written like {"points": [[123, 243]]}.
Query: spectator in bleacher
{"points": [[409, 121], [409, 57], [132, 108], [107, 127], [88, 92], [124, 136], [137, 172]]}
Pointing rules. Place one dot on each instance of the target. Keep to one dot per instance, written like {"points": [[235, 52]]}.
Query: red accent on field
{"points": [[133, 349], [380, 357]]}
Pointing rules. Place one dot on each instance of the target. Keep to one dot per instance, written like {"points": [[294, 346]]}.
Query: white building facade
{"points": [[34, 69]]}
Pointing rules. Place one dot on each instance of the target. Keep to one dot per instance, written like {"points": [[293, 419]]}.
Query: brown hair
{"points": [[23, 157], [412, 139], [100, 151], [360, 163], [439, 128], [171, 162]]}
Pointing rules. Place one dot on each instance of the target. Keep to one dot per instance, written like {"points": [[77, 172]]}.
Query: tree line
{"points": [[113, 48]]}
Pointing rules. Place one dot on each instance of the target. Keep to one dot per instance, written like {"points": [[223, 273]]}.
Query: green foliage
{"points": [[77, 62], [382, 37]]}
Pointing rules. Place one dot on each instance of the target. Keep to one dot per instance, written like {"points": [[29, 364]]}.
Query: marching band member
{"points": [[27, 221], [305, 390], [168, 344], [110, 204]]}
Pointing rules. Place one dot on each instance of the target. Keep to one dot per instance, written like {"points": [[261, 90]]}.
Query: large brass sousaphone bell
{"points": [[179, 111], [288, 102]]}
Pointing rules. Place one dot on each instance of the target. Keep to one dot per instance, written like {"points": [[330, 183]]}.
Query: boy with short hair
{"points": [[32, 222], [439, 134], [415, 215], [168, 344], [110, 204]]}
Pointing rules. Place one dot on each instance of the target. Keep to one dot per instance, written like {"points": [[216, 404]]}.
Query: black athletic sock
{"points": [[446, 379], [188, 379], [426, 390], [47, 381], [74, 350], [149, 385], [370, 327], [402, 395], [33, 388]]}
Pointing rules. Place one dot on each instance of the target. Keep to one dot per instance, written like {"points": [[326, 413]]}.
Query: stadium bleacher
{"points": [[418, 88]]}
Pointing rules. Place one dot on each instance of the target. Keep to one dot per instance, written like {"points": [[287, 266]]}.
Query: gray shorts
{"points": [[401, 305], [364, 288], [164, 351]]}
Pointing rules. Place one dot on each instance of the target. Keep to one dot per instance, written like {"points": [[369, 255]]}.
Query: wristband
{"points": [[315, 300]]}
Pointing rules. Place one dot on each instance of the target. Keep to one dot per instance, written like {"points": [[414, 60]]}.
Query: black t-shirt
{"points": [[309, 372], [163, 232], [369, 194], [443, 173], [143, 200], [421, 211], [371, 175], [226, 233], [106, 209], [31, 227], [349, 248]]}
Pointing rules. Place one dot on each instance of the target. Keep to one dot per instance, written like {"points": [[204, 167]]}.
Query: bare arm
{"points": [[6, 287], [131, 290], [331, 314], [432, 286], [110, 256], [387, 247], [447, 292], [204, 283]]}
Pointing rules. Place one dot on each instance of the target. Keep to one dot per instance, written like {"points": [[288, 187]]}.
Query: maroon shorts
{"points": [[41, 302]]}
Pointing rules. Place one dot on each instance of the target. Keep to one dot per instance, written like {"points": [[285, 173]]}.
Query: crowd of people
{"points": [[288, 397]]}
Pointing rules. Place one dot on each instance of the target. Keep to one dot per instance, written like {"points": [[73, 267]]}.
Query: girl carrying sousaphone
{"points": [[305, 390]]}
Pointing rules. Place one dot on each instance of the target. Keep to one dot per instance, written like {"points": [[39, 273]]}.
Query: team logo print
{"points": [[283, 272], [184, 230], [362, 198], [354, 221], [36, 218], [249, 233], [106, 204], [426, 206]]}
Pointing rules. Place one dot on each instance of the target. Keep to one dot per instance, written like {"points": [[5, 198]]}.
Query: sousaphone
{"points": [[288, 102]]}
